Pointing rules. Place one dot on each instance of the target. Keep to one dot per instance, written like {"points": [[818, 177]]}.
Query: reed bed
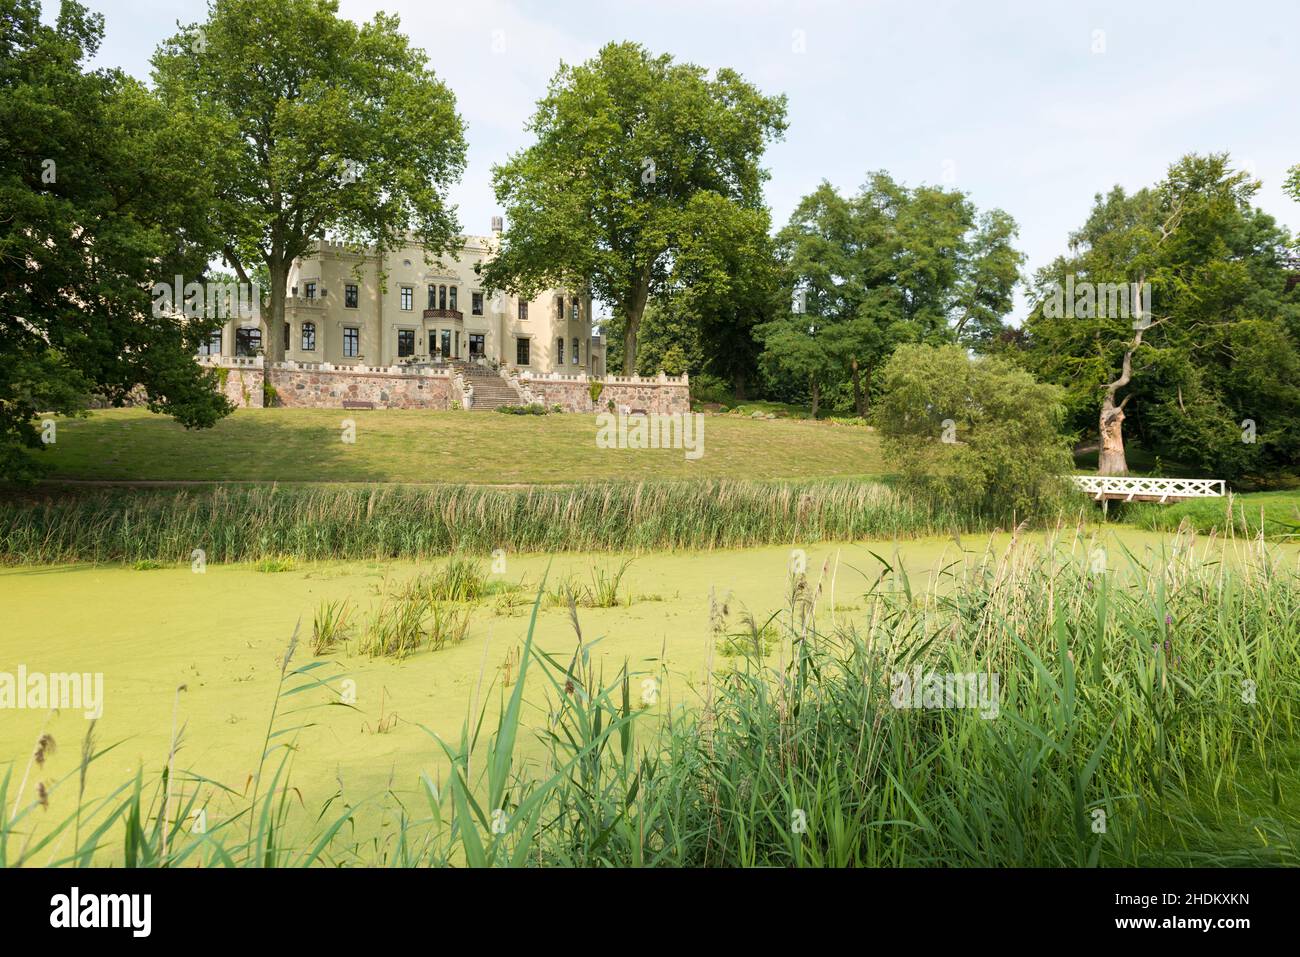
{"points": [[1146, 712], [271, 522]]}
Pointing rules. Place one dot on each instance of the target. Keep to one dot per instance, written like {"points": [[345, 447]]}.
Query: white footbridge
{"points": [[1133, 488]]}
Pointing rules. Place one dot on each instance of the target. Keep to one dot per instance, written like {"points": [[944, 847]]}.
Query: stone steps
{"points": [[490, 390]]}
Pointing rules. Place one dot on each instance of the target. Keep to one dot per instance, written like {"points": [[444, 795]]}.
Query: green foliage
{"points": [[975, 434], [101, 198], [1223, 346], [312, 123], [642, 175], [1274, 515], [532, 408], [886, 266]]}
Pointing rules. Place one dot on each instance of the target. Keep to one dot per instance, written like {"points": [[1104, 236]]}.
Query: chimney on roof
{"points": [[496, 224]]}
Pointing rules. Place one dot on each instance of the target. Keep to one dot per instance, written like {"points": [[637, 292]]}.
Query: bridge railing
{"points": [[1131, 486]]}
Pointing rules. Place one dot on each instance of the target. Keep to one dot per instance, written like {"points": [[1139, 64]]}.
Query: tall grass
{"points": [[1275, 514], [1147, 712], [250, 523]]}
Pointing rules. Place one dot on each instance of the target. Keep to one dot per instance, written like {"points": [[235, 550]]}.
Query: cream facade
{"points": [[429, 312]]}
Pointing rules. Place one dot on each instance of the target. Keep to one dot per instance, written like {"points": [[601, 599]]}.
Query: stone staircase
{"points": [[490, 390]]}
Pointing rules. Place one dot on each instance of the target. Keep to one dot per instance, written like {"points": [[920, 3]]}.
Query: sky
{"points": [[1033, 106]]}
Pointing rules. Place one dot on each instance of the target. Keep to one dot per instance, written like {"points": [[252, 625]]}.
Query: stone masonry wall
{"points": [[634, 394], [241, 385], [329, 389]]}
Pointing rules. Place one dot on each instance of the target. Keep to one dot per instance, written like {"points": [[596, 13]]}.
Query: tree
{"points": [[706, 323], [314, 124], [974, 434], [99, 199], [642, 170], [1171, 315], [886, 266], [669, 340]]}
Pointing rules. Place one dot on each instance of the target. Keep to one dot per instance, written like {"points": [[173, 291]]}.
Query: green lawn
{"points": [[305, 445]]}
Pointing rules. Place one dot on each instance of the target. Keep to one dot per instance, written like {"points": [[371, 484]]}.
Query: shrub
{"points": [[973, 433]]}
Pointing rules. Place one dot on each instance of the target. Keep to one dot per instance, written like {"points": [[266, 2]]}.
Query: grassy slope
{"points": [[304, 445]]}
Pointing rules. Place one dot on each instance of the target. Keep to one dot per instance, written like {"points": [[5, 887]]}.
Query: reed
{"points": [[276, 523]]}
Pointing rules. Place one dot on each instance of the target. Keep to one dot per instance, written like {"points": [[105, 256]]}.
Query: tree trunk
{"points": [[857, 389], [635, 309], [273, 347], [738, 383], [629, 345], [1110, 457], [816, 390]]}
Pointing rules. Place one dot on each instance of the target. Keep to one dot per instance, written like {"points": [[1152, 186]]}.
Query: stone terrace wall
{"points": [[323, 386], [665, 394], [240, 381], [329, 388]]}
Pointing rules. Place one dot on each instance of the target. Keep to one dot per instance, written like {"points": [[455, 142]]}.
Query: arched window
{"points": [[559, 351], [576, 360], [452, 299], [442, 297], [559, 306], [309, 337]]}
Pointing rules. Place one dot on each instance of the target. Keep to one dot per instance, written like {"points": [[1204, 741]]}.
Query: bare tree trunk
{"points": [[816, 390], [1110, 457]]}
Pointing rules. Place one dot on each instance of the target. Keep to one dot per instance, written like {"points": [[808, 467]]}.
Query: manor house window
{"points": [[248, 342]]}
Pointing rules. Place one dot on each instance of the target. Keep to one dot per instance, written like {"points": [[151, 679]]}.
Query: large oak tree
{"points": [[888, 265], [315, 125], [100, 197], [640, 164]]}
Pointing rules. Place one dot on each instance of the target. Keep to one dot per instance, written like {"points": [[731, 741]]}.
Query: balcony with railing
{"points": [[454, 314]]}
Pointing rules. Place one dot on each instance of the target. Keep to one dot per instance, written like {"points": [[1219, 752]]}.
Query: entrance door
{"points": [[477, 345]]}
